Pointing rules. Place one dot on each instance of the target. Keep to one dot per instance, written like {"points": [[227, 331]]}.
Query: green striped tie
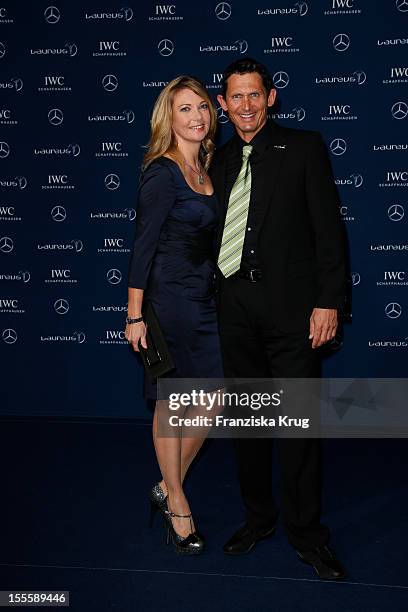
{"points": [[233, 236]]}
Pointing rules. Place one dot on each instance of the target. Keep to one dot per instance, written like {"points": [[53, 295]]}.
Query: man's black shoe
{"points": [[245, 539], [324, 562]]}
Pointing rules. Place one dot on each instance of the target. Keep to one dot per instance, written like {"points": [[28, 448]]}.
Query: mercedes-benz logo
{"points": [[357, 179], [341, 42], [355, 278], [402, 5], [338, 146], [299, 112], [165, 47], [360, 76], [131, 213], [396, 212], [9, 336], [242, 45], [2, 50], [6, 244], [52, 15], [75, 149], [4, 149], [78, 244], [61, 306], [18, 83], [399, 110], [128, 13], [222, 116], [58, 213], [112, 181], [110, 82], [281, 79], [223, 11], [114, 276], [55, 116], [130, 116], [393, 310]]}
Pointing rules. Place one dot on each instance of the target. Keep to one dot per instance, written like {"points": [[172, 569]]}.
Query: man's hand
{"points": [[323, 325]]}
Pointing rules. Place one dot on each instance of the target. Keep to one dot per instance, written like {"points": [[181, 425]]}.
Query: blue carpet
{"points": [[75, 512]]}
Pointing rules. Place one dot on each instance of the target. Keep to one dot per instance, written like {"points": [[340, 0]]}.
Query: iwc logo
{"points": [[342, 7]]}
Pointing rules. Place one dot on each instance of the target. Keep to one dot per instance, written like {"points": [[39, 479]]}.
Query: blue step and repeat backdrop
{"points": [[77, 85]]}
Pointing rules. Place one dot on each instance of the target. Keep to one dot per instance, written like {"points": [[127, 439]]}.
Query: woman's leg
{"points": [[189, 442], [174, 457]]}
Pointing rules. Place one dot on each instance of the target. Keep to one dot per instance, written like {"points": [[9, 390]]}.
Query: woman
{"points": [[173, 267]]}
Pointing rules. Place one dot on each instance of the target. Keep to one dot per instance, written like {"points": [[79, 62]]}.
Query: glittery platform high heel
{"points": [[158, 501], [193, 544]]}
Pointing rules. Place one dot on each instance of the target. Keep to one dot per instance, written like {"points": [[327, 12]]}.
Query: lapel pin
{"points": [[279, 146]]}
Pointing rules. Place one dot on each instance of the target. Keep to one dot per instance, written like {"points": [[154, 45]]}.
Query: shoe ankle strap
{"points": [[178, 515]]}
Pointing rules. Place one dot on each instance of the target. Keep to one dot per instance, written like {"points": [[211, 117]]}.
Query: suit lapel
{"points": [[268, 172]]}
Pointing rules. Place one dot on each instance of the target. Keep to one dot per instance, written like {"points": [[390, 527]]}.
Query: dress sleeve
{"points": [[156, 198]]}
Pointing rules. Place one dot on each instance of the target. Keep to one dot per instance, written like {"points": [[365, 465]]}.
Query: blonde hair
{"points": [[162, 139]]}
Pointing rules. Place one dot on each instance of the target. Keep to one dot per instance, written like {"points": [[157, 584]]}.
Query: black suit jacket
{"points": [[301, 246]]}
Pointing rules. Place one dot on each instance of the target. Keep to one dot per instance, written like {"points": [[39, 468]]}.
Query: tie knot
{"points": [[246, 151]]}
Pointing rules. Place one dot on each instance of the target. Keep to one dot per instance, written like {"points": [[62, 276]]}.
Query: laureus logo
{"points": [[14, 83], [299, 8], [125, 13]]}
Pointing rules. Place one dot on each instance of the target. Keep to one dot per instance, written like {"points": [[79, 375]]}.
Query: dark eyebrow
{"points": [[239, 93]]}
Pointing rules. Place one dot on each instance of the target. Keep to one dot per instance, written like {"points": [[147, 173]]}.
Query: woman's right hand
{"points": [[135, 332]]}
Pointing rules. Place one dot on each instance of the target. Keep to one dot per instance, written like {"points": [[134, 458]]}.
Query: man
{"points": [[281, 283]]}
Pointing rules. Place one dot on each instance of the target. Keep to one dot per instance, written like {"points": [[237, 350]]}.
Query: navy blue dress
{"points": [[173, 261]]}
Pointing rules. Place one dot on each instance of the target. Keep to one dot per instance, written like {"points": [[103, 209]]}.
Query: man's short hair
{"points": [[244, 66]]}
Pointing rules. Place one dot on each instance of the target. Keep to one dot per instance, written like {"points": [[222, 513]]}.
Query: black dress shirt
{"points": [[253, 227]]}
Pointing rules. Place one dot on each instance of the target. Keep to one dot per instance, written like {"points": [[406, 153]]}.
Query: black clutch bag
{"points": [[157, 359]]}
